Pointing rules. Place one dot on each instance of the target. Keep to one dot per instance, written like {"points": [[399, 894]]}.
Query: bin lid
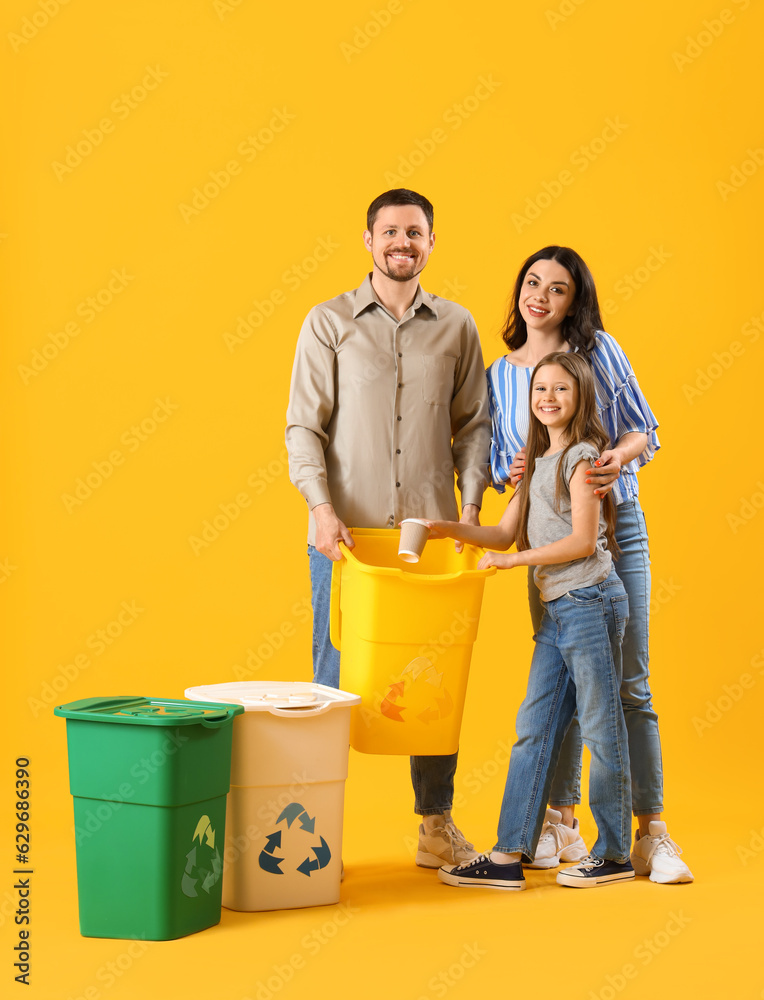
{"points": [[278, 697], [140, 711]]}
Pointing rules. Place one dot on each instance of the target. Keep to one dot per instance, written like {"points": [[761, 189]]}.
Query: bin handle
{"points": [[215, 721], [301, 712], [335, 615]]}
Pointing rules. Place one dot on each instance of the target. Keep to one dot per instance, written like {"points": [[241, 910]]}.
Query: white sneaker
{"points": [[444, 844], [657, 855], [558, 842]]}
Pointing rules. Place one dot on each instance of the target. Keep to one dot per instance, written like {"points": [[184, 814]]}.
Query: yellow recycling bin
{"points": [[405, 632]]}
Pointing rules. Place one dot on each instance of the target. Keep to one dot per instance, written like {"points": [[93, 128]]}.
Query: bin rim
{"points": [[395, 571], [288, 699], [118, 709]]}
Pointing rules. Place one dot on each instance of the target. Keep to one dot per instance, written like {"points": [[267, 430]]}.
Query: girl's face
{"points": [[547, 296], [554, 397]]}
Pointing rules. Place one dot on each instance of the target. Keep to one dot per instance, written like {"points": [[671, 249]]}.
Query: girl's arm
{"points": [[495, 536], [581, 542]]}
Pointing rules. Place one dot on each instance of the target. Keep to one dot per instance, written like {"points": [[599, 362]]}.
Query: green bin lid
{"points": [[148, 711]]}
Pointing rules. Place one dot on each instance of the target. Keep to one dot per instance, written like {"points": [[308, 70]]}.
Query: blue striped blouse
{"points": [[621, 406]]}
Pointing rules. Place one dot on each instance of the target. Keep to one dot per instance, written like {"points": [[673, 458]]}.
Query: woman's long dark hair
{"points": [[578, 329], [585, 426]]}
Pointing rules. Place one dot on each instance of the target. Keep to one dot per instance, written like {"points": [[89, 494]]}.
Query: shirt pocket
{"points": [[438, 379]]}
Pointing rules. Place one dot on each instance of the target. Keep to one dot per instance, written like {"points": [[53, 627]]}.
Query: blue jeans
{"points": [[633, 567], [576, 666], [432, 777]]}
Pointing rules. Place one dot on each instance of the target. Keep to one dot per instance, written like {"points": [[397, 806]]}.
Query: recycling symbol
{"points": [[419, 692], [297, 838], [199, 856]]}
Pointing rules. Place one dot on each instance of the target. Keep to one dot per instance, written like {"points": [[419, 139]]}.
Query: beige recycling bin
{"points": [[289, 763]]}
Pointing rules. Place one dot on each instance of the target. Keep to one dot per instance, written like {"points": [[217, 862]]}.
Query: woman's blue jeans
{"points": [[576, 666], [633, 567], [432, 777]]}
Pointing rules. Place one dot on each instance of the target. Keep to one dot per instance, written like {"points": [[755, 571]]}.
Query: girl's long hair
{"points": [[585, 426], [579, 329]]}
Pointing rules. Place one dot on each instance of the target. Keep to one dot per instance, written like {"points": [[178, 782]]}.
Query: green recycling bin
{"points": [[149, 779]]}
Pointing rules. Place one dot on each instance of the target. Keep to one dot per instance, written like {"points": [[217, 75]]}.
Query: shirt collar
{"points": [[366, 296]]}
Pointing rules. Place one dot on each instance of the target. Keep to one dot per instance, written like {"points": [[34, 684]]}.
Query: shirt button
{"points": [[397, 418], [397, 451], [400, 385], [400, 355], [397, 484]]}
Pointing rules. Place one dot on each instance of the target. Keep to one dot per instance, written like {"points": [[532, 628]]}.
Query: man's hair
{"points": [[399, 196]]}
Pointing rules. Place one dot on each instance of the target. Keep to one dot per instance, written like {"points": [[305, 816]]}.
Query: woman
{"points": [[554, 308]]}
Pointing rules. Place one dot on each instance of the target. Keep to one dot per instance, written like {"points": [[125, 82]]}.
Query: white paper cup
{"points": [[414, 534]]}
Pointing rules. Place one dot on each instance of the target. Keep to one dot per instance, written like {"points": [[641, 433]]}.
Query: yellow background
{"points": [[344, 102]]}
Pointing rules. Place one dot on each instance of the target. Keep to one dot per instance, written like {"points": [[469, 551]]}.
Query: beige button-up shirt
{"points": [[381, 411]]}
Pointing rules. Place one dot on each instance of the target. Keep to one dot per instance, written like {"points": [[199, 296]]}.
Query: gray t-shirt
{"points": [[547, 525]]}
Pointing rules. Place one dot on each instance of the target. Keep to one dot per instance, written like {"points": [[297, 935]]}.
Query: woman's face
{"points": [[547, 296]]}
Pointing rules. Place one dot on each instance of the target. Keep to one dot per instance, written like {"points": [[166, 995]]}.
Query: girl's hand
{"points": [[501, 560], [440, 529], [605, 472], [517, 468]]}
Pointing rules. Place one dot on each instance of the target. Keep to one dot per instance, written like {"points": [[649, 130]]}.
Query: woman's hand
{"points": [[605, 472], [609, 464], [501, 560], [517, 468]]}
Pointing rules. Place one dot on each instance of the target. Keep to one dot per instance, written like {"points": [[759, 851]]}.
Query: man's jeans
{"points": [[576, 666], [633, 567], [432, 777]]}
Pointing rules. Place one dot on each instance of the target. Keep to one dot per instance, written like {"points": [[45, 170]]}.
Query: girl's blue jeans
{"points": [[633, 567], [432, 777], [576, 666]]}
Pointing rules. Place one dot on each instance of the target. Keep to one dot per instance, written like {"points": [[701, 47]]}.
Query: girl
{"points": [[567, 533], [554, 308]]}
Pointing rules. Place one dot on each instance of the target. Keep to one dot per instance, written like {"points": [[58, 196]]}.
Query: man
{"points": [[388, 397]]}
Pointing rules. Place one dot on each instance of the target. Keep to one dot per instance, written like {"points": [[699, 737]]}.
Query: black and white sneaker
{"points": [[594, 871], [482, 871]]}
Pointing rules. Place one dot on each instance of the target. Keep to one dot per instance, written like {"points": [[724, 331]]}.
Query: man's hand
{"points": [[470, 515], [330, 531], [501, 560], [517, 468], [605, 472]]}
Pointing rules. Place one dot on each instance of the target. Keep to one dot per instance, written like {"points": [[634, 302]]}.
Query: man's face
{"points": [[400, 242]]}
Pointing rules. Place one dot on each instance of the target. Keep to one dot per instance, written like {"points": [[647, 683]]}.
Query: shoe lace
{"points": [[590, 862], [456, 838], [665, 845], [481, 859], [555, 833]]}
